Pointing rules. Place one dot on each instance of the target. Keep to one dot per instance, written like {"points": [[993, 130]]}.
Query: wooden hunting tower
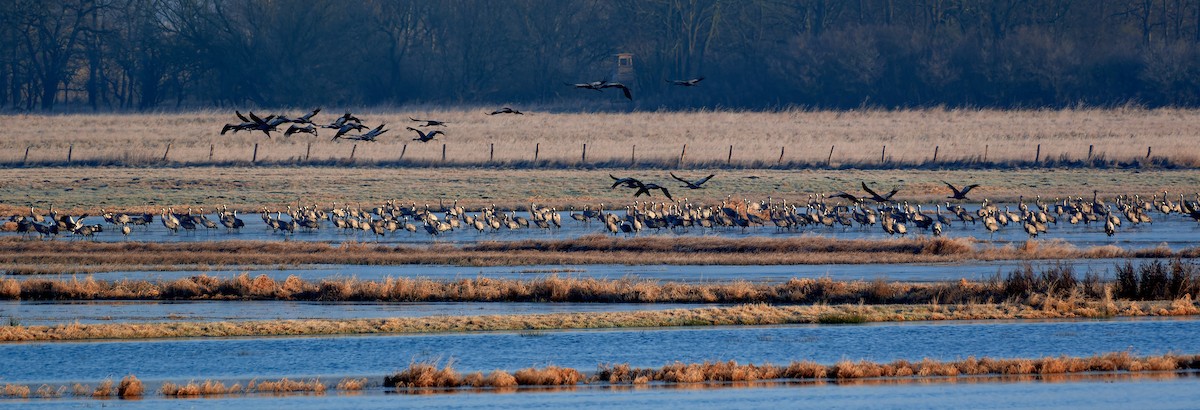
{"points": [[623, 72]]}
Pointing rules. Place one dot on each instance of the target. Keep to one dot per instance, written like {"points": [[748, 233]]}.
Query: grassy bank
{"points": [[1155, 280], [1038, 307], [57, 257]]}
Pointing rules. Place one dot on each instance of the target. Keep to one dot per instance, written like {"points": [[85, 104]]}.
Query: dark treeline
{"points": [[150, 54]]}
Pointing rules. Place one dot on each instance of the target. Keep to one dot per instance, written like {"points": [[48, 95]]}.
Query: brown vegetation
{"points": [[351, 384], [57, 257], [731, 371], [1037, 306], [1156, 280], [130, 387], [425, 376]]}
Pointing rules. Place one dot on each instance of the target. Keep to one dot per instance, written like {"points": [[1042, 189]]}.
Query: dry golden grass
{"points": [[130, 387], [1055, 287], [16, 390], [351, 384], [547, 376], [424, 375], [105, 389], [757, 314], [859, 136], [286, 385]]}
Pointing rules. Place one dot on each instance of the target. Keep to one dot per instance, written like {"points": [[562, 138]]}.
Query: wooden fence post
{"points": [[1038, 155], [211, 147], [443, 152], [402, 151], [583, 157], [26, 159], [168, 151], [70, 150], [254, 159], [1147, 152], [537, 147], [985, 150], [883, 155], [1090, 147], [681, 155], [353, 150], [829, 160], [935, 152], [780, 161], [491, 151], [633, 155], [729, 158], [307, 151]]}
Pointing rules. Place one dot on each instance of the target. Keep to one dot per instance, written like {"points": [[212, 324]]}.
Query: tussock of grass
{"points": [[105, 389], [351, 384], [286, 385], [130, 387], [425, 375], [16, 390]]}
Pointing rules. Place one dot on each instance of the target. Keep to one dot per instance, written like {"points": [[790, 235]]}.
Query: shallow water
{"points": [[1169, 393], [33, 313], [335, 357], [906, 272], [1095, 393], [1174, 231]]}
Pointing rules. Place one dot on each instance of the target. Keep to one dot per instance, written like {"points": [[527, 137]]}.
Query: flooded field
{"points": [[334, 357]]}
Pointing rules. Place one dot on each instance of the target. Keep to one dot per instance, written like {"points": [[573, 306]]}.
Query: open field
{"points": [[88, 189], [857, 138]]}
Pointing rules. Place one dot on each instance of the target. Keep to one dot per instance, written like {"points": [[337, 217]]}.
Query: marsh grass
{"points": [[57, 257], [130, 387], [1155, 280], [841, 318], [429, 377], [351, 384], [731, 371], [1037, 307]]}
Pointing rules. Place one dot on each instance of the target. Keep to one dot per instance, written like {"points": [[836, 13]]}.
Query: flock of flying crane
{"points": [[829, 211], [348, 122], [343, 124]]}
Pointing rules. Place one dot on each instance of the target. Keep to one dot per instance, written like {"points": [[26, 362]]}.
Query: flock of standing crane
{"points": [[840, 210]]}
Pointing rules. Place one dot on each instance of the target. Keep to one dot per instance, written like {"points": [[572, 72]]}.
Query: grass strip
{"points": [[753, 314]]}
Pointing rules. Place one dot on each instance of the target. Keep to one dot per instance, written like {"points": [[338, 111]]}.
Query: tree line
{"points": [[162, 54]]}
